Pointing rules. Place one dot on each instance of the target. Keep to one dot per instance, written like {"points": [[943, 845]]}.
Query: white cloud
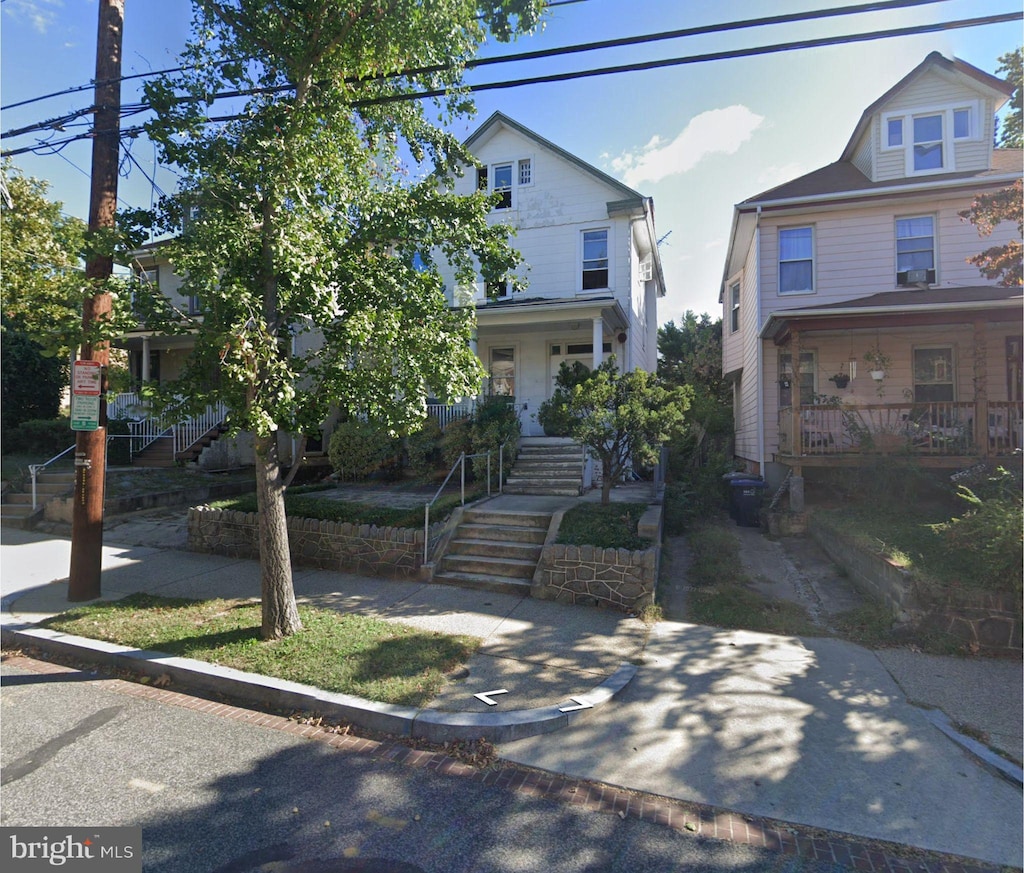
{"points": [[717, 131], [40, 13], [776, 175]]}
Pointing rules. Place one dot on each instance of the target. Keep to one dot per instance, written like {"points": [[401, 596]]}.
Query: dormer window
{"points": [[928, 143], [926, 136], [505, 179]]}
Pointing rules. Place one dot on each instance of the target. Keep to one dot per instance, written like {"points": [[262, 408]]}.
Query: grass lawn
{"points": [[720, 596], [607, 527], [346, 653]]}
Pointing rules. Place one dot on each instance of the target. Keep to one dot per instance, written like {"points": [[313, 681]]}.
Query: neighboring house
{"points": [[870, 253], [590, 259]]}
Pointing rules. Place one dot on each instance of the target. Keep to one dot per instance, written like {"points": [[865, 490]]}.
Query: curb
{"points": [[979, 751], [433, 725]]}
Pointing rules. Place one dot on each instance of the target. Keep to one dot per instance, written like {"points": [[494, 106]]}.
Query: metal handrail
{"points": [[35, 469], [461, 464]]}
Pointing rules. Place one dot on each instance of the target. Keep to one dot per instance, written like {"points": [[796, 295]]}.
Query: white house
{"points": [[590, 257], [870, 254]]}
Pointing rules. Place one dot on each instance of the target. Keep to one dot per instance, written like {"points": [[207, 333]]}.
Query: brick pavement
{"points": [[689, 819]]}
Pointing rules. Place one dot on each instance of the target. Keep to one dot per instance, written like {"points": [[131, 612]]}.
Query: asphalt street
{"points": [[223, 796]]}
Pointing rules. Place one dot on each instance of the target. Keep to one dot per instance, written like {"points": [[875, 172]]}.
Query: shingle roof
{"points": [[930, 296]]}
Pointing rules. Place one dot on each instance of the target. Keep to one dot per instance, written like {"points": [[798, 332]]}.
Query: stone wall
{"points": [[592, 576], [355, 548], [983, 620]]}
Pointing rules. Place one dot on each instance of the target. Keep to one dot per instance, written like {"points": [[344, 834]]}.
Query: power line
{"points": [[812, 15], [624, 68], [75, 89]]}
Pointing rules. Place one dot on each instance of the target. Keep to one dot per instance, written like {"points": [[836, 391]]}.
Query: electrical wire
{"points": [[812, 15], [602, 71]]}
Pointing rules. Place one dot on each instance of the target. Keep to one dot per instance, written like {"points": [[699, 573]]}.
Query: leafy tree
{"points": [[32, 382], [316, 255], [989, 210], [986, 213], [1012, 134], [622, 418], [42, 279]]}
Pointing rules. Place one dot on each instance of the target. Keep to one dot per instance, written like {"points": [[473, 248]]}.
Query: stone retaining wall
{"points": [[612, 578], [354, 548], [985, 621]]}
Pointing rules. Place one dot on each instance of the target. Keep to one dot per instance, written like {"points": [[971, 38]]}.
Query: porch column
{"points": [[794, 393], [980, 341], [145, 360], [598, 341]]}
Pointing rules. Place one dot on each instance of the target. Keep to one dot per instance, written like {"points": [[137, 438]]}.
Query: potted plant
{"points": [[879, 362], [840, 379]]}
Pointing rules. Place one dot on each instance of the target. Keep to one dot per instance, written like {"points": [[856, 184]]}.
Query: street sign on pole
{"points": [[87, 379], [85, 411]]}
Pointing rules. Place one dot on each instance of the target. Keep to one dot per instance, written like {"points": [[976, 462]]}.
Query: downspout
{"points": [[760, 348]]}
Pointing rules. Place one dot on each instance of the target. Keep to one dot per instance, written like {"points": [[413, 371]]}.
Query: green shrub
{"points": [[456, 439], [44, 437], [495, 423], [359, 448], [609, 526], [553, 415], [989, 532], [423, 448]]}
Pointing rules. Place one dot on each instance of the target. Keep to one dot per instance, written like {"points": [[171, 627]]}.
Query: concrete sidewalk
{"points": [[811, 731]]}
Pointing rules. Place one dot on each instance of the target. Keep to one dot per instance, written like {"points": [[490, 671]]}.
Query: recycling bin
{"points": [[730, 496], [747, 496]]}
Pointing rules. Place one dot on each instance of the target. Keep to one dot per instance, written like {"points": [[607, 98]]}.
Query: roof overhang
{"points": [[541, 312], [873, 313]]}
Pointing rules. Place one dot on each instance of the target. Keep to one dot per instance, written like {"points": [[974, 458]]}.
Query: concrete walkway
{"points": [[813, 731]]}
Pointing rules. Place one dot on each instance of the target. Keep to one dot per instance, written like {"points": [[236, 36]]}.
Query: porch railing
{"points": [[147, 428], [938, 428], [445, 415]]}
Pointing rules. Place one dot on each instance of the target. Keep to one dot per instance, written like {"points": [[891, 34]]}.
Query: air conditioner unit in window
{"points": [[915, 278], [647, 269]]}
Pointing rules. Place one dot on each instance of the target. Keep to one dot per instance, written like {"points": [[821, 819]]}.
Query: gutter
{"points": [[786, 314], [861, 193]]}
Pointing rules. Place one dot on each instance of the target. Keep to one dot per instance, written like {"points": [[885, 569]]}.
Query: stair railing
{"points": [[35, 469], [501, 465], [460, 465]]}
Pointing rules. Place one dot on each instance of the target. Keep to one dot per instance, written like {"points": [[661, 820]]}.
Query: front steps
{"points": [[494, 551], [550, 466], [17, 505]]}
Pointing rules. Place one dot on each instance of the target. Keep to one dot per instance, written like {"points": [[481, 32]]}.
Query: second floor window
{"points": [[915, 247], [734, 295], [595, 259], [796, 260]]}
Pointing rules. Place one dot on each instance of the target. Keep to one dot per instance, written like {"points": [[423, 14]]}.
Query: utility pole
{"points": [[91, 445]]}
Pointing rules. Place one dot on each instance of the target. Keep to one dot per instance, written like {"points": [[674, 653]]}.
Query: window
{"points": [[503, 185], [928, 145], [796, 260], [194, 306], [933, 375], [915, 250], [961, 123], [808, 369], [895, 132], [734, 293], [497, 290], [503, 371], [481, 179], [595, 259], [525, 172]]}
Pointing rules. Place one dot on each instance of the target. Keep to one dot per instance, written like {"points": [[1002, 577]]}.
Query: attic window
{"points": [[525, 172], [503, 185], [928, 145]]}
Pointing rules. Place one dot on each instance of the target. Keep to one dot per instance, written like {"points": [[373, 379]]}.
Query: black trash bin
{"points": [[747, 495], [730, 494]]}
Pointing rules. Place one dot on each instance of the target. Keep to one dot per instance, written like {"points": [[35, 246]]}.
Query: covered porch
{"points": [[932, 374]]}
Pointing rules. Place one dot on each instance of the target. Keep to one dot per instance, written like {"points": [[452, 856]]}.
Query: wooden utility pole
{"points": [[91, 445]]}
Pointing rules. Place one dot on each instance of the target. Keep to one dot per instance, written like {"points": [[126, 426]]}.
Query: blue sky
{"points": [[697, 138]]}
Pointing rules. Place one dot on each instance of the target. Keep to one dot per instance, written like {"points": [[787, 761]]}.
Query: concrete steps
{"points": [[494, 551], [17, 505], [547, 466]]}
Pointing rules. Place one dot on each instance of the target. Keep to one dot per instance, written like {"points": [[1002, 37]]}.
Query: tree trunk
{"points": [[607, 480], [280, 614]]}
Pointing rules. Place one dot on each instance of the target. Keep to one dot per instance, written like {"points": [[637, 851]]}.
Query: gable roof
{"points": [[499, 118], [980, 80]]}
